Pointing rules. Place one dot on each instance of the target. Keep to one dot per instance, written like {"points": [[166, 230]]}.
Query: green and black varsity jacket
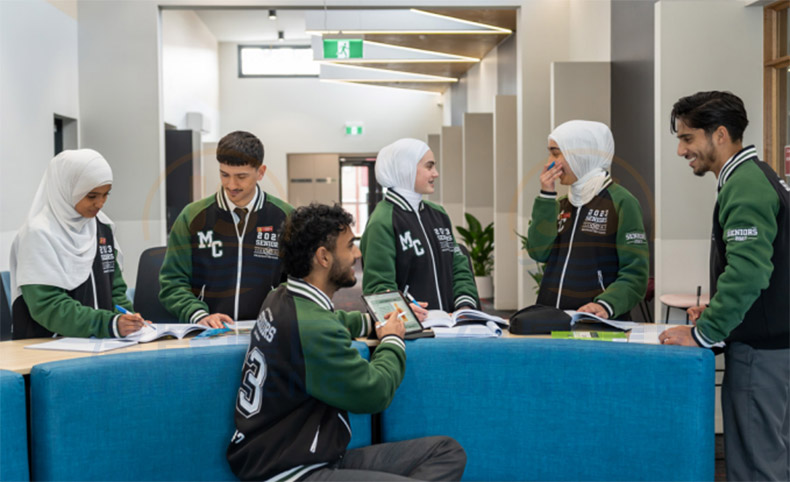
{"points": [[88, 310], [597, 253], [402, 248], [209, 269], [300, 378], [750, 258]]}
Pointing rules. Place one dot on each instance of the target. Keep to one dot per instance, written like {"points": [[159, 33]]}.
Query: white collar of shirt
{"points": [[233, 206]]}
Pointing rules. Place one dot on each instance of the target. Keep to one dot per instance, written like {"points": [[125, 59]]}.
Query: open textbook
{"points": [[585, 321], [465, 323], [148, 333]]}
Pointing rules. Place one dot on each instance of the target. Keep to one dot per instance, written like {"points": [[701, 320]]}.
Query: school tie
{"points": [[242, 214]]}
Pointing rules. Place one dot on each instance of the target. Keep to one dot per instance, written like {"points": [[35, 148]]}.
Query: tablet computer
{"points": [[380, 304]]}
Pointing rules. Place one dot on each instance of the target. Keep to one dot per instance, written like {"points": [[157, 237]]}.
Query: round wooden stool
{"points": [[682, 302]]}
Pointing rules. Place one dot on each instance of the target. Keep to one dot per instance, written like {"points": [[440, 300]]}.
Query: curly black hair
{"points": [[305, 230], [240, 148], [709, 110]]}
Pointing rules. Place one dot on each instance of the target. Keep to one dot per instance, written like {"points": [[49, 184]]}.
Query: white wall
{"points": [[38, 78], [688, 60], [121, 109], [308, 116], [482, 86], [190, 71]]}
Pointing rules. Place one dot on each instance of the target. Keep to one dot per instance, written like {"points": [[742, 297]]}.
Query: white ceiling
{"points": [[253, 25]]}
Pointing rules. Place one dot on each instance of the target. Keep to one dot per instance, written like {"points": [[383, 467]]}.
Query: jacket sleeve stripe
{"points": [[394, 340], [701, 339], [197, 316], [465, 300], [607, 306]]}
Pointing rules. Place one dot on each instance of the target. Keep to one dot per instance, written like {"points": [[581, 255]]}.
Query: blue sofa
{"points": [[155, 415], [13, 427], [527, 409], [523, 409]]}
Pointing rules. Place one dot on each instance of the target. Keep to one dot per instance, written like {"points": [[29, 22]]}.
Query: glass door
{"points": [[359, 191]]}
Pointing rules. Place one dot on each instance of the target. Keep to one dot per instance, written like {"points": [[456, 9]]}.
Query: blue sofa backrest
{"points": [[155, 415], [13, 427], [561, 409]]}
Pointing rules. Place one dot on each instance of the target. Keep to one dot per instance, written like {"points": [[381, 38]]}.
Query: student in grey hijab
{"points": [[408, 244], [593, 241], [65, 264]]}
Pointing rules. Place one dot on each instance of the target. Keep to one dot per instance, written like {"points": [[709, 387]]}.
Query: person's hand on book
{"points": [[695, 312], [216, 320], [129, 323], [392, 325], [595, 309], [420, 310], [679, 335]]}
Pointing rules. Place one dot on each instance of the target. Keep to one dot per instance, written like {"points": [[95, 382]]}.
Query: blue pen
{"points": [[410, 297], [127, 312], [551, 165]]}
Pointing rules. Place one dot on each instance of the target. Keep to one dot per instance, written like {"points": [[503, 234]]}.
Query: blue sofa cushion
{"points": [[13, 420], [154, 415], [527, 409]]}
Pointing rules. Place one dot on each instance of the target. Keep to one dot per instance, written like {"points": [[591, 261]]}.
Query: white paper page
{"points": [[647, 333], [88, 345], [437, 318], [244, 325], [465, 331]]}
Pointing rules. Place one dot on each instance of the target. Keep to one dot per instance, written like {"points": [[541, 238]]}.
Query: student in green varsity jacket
{"points": [[301, 376], [65, 263], [221, 256], [750, 285], [592, 241], [409, 242]]}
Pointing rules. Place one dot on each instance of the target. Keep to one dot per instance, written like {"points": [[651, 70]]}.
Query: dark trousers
{"points": [[755, 400], [428, 458]]}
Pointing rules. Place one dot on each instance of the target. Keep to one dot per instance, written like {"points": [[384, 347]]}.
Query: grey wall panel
{"points": [[478, 166], [633, 90]]}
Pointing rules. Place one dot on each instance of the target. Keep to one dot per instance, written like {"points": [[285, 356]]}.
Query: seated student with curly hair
{"points": [[301, 376]]}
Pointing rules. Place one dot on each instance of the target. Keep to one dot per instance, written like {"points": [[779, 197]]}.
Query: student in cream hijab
{"points": [[593, 241], [408, 244], [65, 272]]}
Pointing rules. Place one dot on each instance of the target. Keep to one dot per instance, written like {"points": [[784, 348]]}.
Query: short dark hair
{"points": [[305, 230], [709, 110], [240, 148]]}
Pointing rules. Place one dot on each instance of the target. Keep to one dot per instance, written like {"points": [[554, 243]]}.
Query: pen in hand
{"points": [[127, 312], [699, 292], [410, 297]]}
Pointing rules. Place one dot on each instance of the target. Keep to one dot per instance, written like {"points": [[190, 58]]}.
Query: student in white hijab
{"points": [[408, 243], [593, 241], [65, 272]]}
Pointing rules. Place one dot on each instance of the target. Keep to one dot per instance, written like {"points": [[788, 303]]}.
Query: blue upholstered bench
{"points": [[13, 427], [155, 415], [528, 409]]}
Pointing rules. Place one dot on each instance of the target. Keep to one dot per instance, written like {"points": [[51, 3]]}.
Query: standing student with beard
{"points": [[408, 241], [65, 263], [592, 241], [301, 375], [749, 281]]}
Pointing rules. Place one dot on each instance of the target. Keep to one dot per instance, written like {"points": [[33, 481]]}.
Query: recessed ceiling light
{"points": [[280, 36], [272, 14]]}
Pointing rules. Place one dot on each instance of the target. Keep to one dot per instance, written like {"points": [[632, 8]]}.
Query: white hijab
{"points": [[56, 246], [588, 147], [396, 168]]}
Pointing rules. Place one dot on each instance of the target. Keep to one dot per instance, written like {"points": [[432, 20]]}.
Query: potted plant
{"points": [[480, 243]]}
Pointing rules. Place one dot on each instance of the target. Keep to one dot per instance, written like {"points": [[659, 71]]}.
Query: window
{"points": [[277, 61], [777, 86]]}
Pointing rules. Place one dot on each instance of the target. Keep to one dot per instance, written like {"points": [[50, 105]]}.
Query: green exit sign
{"points": [[353, 129], [336, 48]]}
